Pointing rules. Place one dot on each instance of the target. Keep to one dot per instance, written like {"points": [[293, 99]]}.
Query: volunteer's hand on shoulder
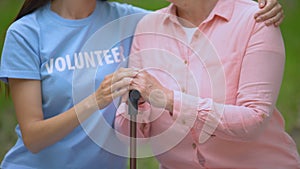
{"points": [[270, 12]]}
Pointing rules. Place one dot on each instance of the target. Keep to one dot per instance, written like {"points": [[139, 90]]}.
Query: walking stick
{"points": [[134, 96]]}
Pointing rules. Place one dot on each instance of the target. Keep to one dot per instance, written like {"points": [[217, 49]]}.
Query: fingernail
{"points": [[259, 19], [268, 23]]}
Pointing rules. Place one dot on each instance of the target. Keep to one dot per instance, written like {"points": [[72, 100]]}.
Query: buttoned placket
{"points": [[197, 155], [189, 53], [186, 52], [199, 158]]}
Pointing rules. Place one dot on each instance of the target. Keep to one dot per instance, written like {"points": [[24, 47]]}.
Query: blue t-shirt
{"points": [[70, 58]]}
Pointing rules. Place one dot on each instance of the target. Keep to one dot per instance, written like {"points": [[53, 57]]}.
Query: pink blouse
{"points": [[225, 82]]}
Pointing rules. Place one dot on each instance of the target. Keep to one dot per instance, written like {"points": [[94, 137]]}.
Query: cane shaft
{"points": [[133, 142]]}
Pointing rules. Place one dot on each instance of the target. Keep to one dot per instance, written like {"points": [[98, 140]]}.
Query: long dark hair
{"points": [[29, 6]]}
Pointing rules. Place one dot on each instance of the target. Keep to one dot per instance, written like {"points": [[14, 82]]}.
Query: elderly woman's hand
{"points": [[153, 91], [271, 12]]}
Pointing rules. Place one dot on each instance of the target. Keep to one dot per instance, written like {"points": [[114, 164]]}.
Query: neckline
{"points": [[71, 22], [188, 28]]}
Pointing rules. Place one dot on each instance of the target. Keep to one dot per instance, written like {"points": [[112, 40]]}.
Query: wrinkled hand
{"points": [[271, 12], [114, 85], [152, 91]]}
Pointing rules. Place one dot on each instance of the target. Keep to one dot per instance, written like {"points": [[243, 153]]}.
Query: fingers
{"points": [[118, 93], [139, 86], [117, 88], [261, 3], [115, 84], [265, 7], [121, 88], [123, 73], [124, 83], [141, 82], [109, 89], [121, 81], [268, 15], [279, 21], [145, 83], [271, 12], [276, 20]]}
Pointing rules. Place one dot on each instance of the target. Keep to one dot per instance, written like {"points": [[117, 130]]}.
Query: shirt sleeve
{"points": [[259, 84], [20, 57]]}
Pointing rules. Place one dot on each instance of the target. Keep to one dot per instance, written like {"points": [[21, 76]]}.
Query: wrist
{"points": [[89, 104], [85, 108]]}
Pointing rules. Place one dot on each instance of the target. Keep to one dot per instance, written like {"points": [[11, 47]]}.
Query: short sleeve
{"points": [[20, 58]]}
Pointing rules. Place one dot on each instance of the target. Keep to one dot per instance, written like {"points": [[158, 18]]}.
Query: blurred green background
{"points": [[289, 98]]}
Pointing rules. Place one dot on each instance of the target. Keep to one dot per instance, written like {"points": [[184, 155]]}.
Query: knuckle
{"points": [[107, 77], [116, 77], [278, 16], [104, 84], [143, 88], [127, 81]]}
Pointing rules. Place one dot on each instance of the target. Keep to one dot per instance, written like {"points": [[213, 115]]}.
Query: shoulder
{"points": [[27, 26], [24, 34], [258, 33], [245, 5], [243, 17], [244, 10]]}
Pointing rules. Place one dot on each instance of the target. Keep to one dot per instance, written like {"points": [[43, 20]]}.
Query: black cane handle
{"points": [[134, 96]]}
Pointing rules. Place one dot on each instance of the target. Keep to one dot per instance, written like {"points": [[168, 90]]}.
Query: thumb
{"points": [[261, 3]]}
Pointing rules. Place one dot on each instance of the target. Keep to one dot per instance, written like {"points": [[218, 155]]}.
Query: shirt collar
{"points": [[223, 9]]}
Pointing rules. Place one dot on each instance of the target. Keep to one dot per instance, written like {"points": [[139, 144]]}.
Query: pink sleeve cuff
{"points": [[185, 109]]}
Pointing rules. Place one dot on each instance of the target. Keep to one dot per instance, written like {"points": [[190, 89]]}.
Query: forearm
{"points": [[43, 133], [231, 122], [259, 85]]}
